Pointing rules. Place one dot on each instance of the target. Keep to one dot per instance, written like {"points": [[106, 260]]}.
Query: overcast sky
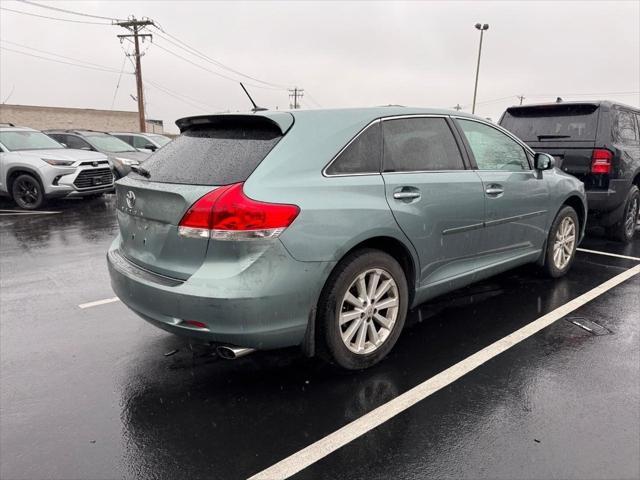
{"points": [[341, 53]]}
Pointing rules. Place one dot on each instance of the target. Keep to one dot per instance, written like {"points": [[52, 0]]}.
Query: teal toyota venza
{"points": [[322, 228]]}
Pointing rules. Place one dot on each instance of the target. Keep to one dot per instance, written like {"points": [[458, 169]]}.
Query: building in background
{"points": [[42, 118]]}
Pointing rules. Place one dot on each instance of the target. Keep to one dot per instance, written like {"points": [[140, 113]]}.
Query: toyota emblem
{"points": [[131, 199]]}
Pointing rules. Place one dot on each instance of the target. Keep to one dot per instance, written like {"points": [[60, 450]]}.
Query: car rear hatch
{"points": [[565, 130], [212, 152]]}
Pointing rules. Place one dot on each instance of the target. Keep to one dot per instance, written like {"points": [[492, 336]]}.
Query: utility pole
{"points": [[482, 28], [521, 97], [295, 93], [135, 27], [458, 107]]}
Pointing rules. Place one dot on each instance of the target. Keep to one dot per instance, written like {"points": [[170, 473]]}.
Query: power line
{"points": [[72, 12], [113, 101], [310, 97], [58, 55], [102, 69], [188, 48], [183, 98], [53, 18], [200, 66]]}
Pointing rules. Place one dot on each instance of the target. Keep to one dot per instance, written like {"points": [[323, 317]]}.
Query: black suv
{"points": [[598, 142]]}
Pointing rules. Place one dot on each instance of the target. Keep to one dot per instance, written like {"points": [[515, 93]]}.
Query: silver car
{"points": [[35, 167]]}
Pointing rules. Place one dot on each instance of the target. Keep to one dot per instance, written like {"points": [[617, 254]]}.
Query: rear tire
{"points": [[624, 229], [27, 192], [562, 243], [367, 292]]}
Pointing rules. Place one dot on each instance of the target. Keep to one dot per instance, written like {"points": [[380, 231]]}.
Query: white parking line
{"points": [[598, 252], [99, 302], [332, 442], [5, 213]]}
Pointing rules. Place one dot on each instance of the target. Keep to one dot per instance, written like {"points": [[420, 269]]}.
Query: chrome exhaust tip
{"points": [[231, 353]]}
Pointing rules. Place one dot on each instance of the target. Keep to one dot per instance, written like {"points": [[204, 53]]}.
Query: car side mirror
{"points": [[543, 161], [64, 145], [151, 147]]}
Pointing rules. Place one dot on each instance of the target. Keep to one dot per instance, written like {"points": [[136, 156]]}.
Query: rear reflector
{"points": [[228, 214], [601, 161], [195, 323]]}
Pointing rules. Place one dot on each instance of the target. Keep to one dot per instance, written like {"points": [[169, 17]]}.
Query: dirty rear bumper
{"points": [[263, 304]]}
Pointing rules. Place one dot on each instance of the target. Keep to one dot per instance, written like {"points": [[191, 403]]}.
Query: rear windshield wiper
{"points": [[141, 171], [542, 137]]}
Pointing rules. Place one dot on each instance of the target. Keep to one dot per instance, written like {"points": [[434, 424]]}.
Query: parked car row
{"points": [[36, 166]]}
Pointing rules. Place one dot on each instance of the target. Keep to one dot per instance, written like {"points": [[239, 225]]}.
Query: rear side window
{"points": [[71, 141], [552, 122], [420, 144], [625, 127], [219, 154], [362, 155]]}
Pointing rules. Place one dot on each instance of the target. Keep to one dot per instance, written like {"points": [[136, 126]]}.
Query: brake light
{"points": [[601, 161], [228, 214]]}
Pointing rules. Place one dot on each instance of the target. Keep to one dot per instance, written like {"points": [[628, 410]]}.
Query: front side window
{"points": [[625, 128], [420, 144], [492, 149], [16, 140], [363, 155]]}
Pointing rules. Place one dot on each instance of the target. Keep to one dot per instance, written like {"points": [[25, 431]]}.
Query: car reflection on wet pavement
{"points": [[97, 393]]}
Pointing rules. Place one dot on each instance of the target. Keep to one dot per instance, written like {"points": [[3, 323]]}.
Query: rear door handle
{"points": [[494, 190], [406, 195]]}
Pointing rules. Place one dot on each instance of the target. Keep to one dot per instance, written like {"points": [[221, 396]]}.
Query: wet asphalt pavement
{"points": [[91, 393]]}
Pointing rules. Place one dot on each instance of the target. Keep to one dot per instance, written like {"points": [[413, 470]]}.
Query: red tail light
{"points": [[228, 214], [601, 161]]}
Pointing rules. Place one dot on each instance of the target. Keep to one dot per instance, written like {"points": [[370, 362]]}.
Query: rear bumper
{"points": [[608, 200], [265, 304]]}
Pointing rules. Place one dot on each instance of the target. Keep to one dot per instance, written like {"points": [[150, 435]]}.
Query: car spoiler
{"points": [[280, 120]]}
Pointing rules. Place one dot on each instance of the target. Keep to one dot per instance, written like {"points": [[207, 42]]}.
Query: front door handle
{"points": [[494, 190], [406, 195]]}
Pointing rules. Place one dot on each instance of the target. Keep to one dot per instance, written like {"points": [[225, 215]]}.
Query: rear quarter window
{"points": [[362, 155], [213, 155]]}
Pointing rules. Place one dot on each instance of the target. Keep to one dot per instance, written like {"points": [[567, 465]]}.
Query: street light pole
{"points": [[482, 28]]}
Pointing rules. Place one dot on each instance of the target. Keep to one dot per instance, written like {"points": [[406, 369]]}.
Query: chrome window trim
{"points": [[508, 134], [384, 119]]}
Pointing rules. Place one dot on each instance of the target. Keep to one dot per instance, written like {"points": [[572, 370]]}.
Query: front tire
{"points": [[362, 309], [27, 192], [625, 228], [562, 243]]}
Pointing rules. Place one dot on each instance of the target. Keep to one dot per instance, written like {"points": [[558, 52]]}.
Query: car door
{"points": [[436, 200], [515, 195]]}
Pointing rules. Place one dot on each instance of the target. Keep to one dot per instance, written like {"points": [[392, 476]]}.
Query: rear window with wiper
{"points": [[552, 122], [218, 153]]}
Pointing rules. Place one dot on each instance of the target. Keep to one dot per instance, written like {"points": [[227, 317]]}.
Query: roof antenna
{"points": [[255, 108]]}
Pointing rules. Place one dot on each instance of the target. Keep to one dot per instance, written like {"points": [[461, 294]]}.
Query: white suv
{"points": [[34, 168]]}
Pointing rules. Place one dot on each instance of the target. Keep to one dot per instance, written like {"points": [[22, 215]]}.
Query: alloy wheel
{"points": [[564, 243], [27, 192], [369, 311]]}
